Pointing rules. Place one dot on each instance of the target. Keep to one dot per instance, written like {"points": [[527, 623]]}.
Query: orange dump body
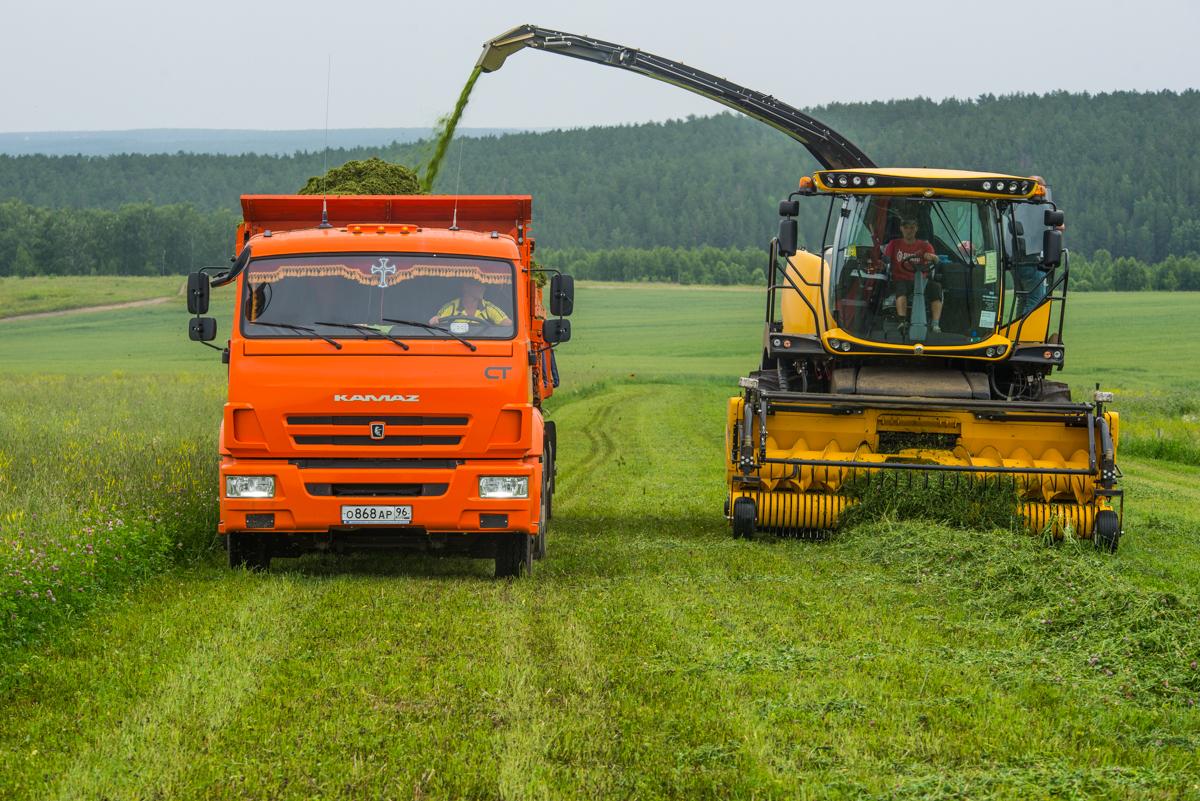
{"points": [[372, 424]]}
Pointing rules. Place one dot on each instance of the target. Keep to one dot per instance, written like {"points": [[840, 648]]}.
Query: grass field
{"points": [[44, 294], [650, 657]]}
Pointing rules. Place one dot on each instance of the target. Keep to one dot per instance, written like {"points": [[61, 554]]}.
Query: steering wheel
{"points": [[916, 262]]}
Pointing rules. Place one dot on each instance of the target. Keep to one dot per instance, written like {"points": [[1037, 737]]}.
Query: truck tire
{"points": [[539, 543], [548, 465], [514, 555], [248, 551]]}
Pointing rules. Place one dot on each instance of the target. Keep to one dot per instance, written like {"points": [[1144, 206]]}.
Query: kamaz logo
{"points": [[377, 398]]}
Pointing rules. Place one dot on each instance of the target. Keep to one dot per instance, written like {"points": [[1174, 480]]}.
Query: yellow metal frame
{"points": [[809, 497], [916, 181]]}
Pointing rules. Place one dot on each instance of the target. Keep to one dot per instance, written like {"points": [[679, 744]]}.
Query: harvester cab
{"points": [[914, 348], [918, 340]]}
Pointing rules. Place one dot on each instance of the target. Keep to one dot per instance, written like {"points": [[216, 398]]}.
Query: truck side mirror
{"points": [[1051, 248], [197, 293], [556, 331], [1055, 218], [562, 296], [202, 329], [789, 235]]}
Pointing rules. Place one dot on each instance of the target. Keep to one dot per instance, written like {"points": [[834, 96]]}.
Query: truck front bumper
{"points": [[444, 495]]}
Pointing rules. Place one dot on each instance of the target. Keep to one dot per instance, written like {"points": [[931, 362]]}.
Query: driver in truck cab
{"points": [[471, 304], [905, 255]]}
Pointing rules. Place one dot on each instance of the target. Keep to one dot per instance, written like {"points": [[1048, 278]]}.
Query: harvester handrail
{"points": [[799, 400], [1049, 298], [934, 467], [774, 287]]}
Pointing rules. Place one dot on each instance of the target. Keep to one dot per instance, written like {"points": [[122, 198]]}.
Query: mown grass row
{"points": [[103, 481], [652, 656]]}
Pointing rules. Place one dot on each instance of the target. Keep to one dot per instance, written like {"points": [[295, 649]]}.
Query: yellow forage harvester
{"points": [[913, 351]]}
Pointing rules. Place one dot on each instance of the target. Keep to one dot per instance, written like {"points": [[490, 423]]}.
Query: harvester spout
{"points": [[831, 149], [497, 51]]}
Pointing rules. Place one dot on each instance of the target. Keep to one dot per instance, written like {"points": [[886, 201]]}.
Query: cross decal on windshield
{"points": [[383, 270]]}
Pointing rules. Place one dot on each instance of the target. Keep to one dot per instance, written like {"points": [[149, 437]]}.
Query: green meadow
{"points": [[48, 293], [650, 656]]}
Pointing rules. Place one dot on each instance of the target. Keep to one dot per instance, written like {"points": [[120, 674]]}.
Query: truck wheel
{"points": [[548, 466], [744, 514], [514, 555], [1107, 531], [552, 440], [539, 542], [249, 551]]}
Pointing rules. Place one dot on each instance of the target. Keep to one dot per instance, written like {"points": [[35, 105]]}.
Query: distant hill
{"points": [[215, 141], [1124, 166]]}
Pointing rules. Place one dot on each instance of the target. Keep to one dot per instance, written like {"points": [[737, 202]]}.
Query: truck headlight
{"points": [[504, 486], [249, 486]]}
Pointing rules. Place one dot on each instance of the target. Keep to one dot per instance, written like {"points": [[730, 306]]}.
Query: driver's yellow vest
{"points": [[488, 311]]}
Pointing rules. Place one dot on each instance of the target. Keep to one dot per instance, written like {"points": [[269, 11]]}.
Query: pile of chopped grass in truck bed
{"points": [[372, 176]]}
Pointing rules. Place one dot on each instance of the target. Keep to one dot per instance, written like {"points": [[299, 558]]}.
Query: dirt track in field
{"points": [[129, 304]]}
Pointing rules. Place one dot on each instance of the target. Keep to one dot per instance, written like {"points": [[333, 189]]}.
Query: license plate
{"points": [[376, 515]]}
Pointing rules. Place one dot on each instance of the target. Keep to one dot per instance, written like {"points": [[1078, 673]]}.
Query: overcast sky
{"points": [[217, 64]]}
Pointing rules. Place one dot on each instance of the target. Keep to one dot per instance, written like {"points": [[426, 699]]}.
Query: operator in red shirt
{"points": [[905, 255]]}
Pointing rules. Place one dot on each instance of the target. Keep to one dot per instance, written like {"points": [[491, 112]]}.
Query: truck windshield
{"points": [[897, 260], [347, 295]]}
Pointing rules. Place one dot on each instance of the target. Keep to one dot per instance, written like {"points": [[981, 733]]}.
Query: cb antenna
{"points": [[325, 166]]}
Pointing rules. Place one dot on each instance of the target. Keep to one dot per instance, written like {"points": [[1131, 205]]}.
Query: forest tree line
{"points": [[1121, 164], [141, 239]]}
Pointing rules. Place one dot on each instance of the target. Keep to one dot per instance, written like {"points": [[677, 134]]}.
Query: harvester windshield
{"points": [[322, 295], [958, 265]]}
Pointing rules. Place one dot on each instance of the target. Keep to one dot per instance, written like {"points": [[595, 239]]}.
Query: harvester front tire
{"points": [[1107, 532], [1056, 392], [744, 515]]}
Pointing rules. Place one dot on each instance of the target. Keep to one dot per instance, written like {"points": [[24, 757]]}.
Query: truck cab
{"points": [[387, 370]]}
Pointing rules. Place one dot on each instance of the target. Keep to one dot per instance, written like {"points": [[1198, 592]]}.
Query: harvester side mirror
{"points": [[202, 329], [789, 208], [556, 331], [562, 295], [1051, 249], [1055, 218], [789, 235], [197, 293]]}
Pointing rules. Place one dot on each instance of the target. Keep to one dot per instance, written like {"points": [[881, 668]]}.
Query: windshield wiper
{"points": [[303, 329], [431, 327], [364, 329]]}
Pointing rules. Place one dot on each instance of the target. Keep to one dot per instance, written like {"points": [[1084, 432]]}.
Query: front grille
{"points": [[377, 490], [363, 420], [375, 464], [322, 439], [371, 431]]}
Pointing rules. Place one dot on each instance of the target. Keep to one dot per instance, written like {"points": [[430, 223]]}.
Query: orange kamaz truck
{"points": [[388, 361]]}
